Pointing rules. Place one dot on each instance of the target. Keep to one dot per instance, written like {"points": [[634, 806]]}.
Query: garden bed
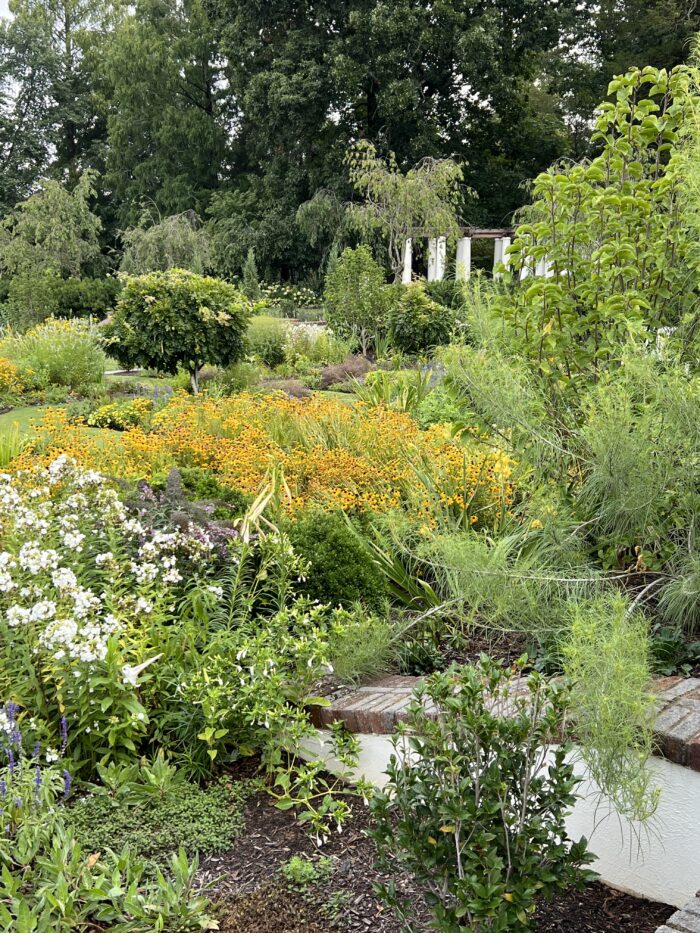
{"points": [[253, 895]]}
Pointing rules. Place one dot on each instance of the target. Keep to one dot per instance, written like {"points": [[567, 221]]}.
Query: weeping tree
{"points": [[160, 243], [396, 204]]}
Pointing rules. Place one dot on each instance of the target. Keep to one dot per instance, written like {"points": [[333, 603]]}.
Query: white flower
{"points": [[51, 755], [64, 579]]}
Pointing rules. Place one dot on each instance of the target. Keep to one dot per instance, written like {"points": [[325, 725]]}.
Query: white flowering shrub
{"points": [[86, 592]]}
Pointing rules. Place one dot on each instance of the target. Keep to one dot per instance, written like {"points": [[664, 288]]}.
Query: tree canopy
{"points": [[243, 112]]}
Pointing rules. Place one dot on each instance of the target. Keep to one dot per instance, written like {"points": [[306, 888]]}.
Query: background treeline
{"points": [[241, 112]]}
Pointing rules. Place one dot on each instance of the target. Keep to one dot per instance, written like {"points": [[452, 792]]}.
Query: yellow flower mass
{"points": [[331, 454]]}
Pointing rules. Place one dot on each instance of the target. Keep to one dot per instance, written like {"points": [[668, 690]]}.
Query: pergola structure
{"points": [[437, 252]]}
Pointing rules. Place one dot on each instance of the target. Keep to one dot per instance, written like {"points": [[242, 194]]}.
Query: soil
{"points": [[251, 895]]}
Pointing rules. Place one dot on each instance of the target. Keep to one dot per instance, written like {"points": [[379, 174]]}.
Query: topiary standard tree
{"points": [[165, 320]]}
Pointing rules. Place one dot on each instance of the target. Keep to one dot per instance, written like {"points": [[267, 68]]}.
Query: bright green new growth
{"points": [[610, 235], [606, 659], [356, 297]]}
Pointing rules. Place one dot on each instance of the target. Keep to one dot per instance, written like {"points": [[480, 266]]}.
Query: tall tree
{"points": [[50, 88], [453, 77], [167, 125]]}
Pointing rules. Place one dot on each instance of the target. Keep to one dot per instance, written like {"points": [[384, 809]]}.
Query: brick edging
{"points": [[377, 707]]}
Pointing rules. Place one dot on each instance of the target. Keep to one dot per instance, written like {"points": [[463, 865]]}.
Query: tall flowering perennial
{"points": [[332, 455], [84, 584]]}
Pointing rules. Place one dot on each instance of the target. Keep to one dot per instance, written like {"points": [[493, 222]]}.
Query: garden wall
{"points": [[660, 860]]}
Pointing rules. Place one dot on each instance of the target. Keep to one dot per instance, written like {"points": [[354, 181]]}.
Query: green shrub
{"points": [[356, 297], [87, 297], [237, 378], [59, 353], [416, 323], [266, 338], [177, 319], [446, 292], [341, 568], [470, 808]]}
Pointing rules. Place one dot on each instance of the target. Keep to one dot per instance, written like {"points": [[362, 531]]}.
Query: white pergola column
{"points": [[441, 258], [497, 256], [464, 258], [432, 258], [407, 271], [505, 258], [541, 267]]}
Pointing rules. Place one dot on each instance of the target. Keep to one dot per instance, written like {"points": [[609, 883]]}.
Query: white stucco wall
{"points": [[660, 861]]}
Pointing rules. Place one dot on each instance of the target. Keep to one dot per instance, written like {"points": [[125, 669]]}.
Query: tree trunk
{"points": [[194, 380]]}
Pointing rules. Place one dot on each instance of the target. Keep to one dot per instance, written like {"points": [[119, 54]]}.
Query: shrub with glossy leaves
{"points": [[173, 319], [475, 803], [417, 323]]}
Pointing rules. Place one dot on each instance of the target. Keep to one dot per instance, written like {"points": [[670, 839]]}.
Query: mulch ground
{"points": [[253, 896]]}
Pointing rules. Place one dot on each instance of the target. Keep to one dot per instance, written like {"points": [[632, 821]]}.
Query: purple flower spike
{"points": [[67, 781], [37, 781], [37, 750], [3, 789], [11, 760]]}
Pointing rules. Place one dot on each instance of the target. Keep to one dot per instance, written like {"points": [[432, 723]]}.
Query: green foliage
{"points": [[341, 569], [418, 324], [355, 296], [611, 234], [165, 320], [362, 646], [266, 338], [473, 809], [58, 353], [396, 204], [237, 377], [401, 389], [86, 297], [607, 660], [307, 342], [439, 407], [301, 872], [54, 231], [167, 126], [50, 884], [252, 686], [159, 244], [251, 282], [156, 825]]}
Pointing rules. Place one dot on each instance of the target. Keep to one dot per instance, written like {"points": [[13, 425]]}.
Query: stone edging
{"points": [[686, 920], [377, 707]]}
